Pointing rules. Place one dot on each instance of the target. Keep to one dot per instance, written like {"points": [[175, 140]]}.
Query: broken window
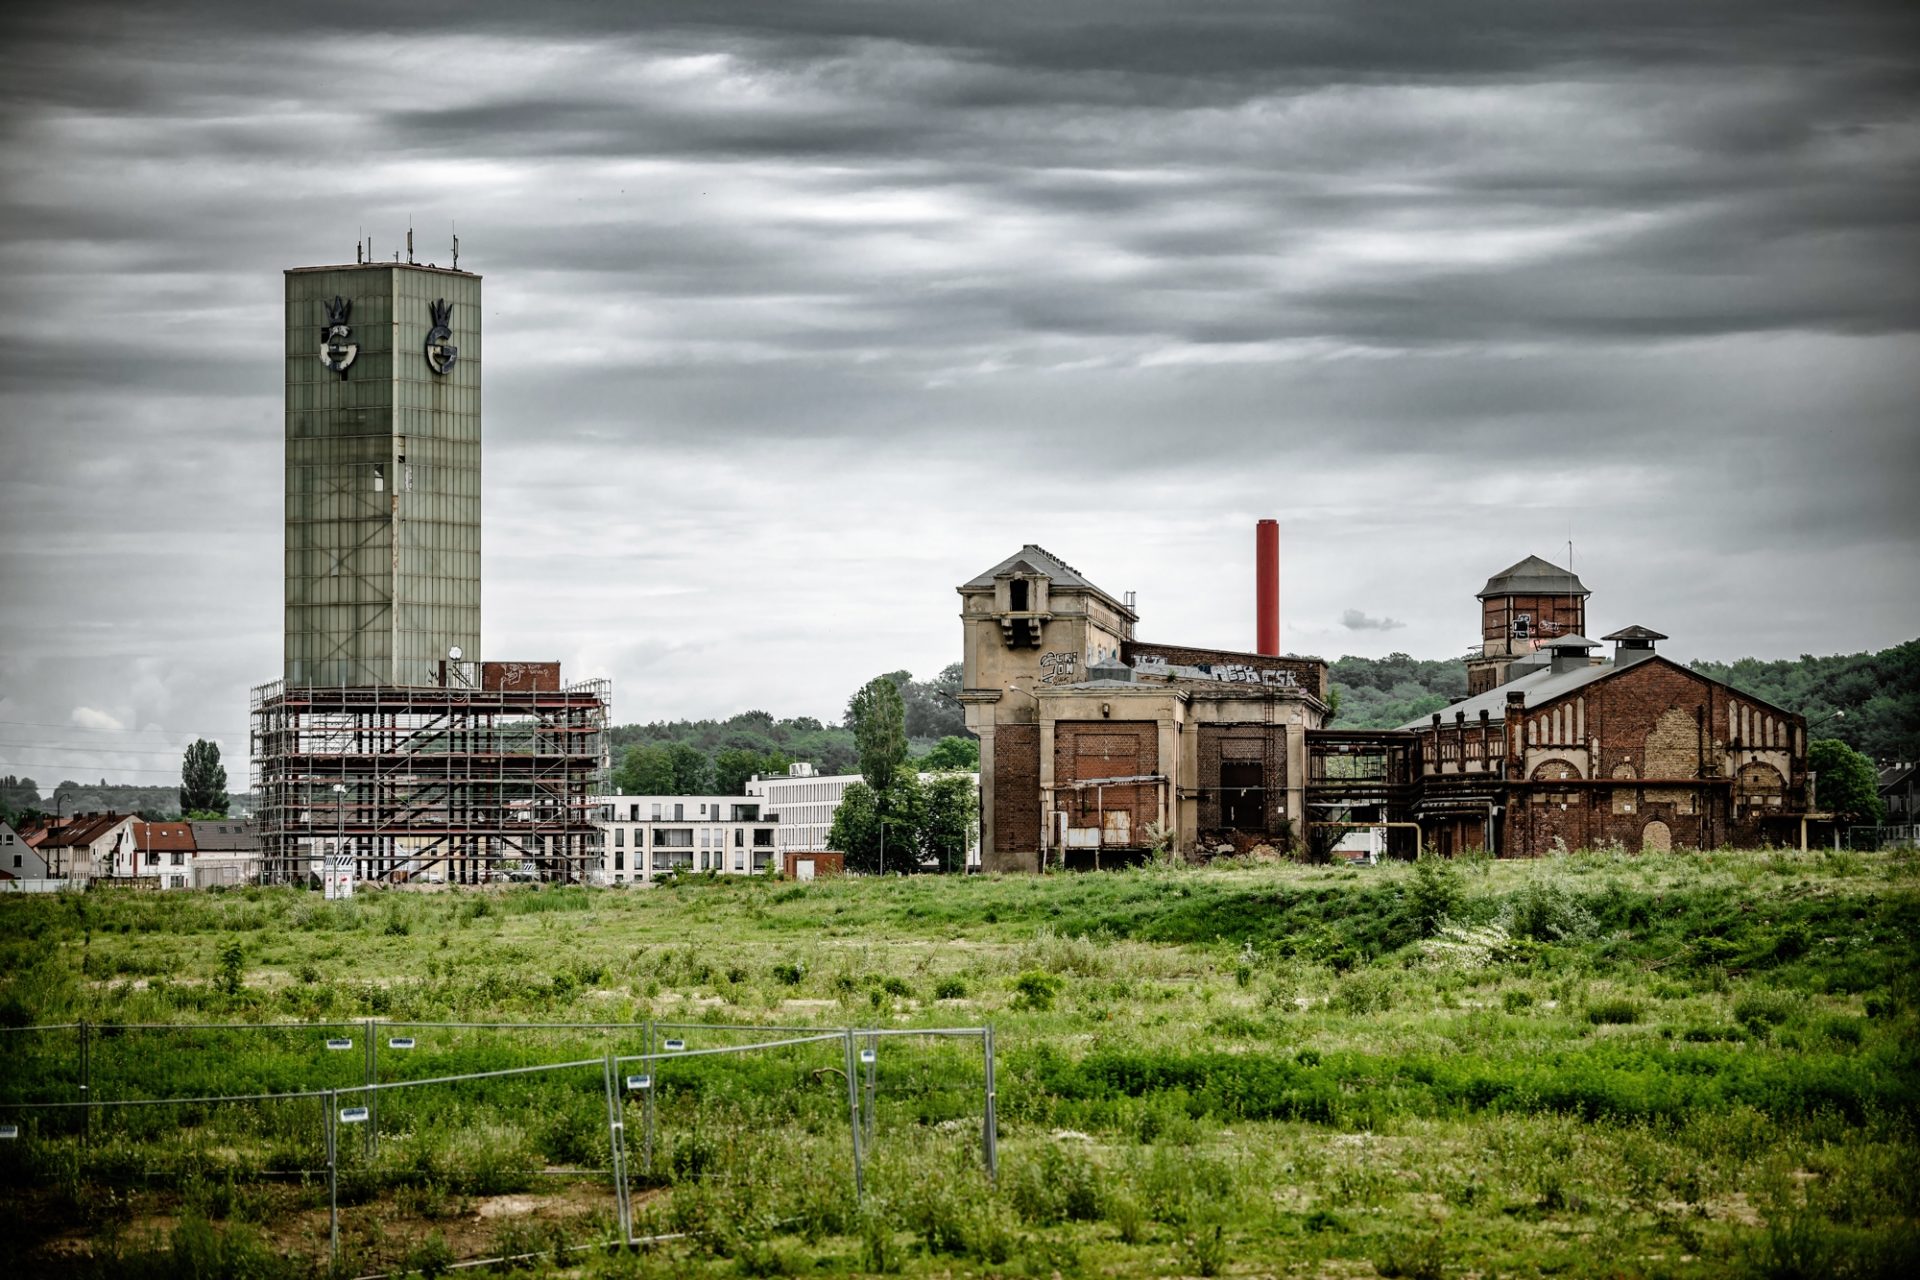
{"points": [[1017, 595]]}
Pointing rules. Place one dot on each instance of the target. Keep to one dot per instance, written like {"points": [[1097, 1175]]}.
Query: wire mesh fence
{"points": [[385, 1138]]}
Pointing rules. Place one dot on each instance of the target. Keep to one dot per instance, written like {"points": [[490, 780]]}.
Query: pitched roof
{"points": [[1533, 577], [1635, 632], [229, 835], [1540, 686], [82, 829], [1033, 559], [164, 837]]}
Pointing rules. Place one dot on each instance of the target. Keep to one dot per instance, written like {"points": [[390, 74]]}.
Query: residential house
{"points": [[166, 853], [227, 851]]}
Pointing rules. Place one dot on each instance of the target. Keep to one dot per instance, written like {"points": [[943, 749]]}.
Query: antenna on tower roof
{"points": [[409, 242], [453, 227]]}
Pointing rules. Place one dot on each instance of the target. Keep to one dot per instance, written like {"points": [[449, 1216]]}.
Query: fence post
{"points": [[333, 1177], [370, 1075], [853, 1116], [868, 1109], [86, 1079], [646, 1103], [616, 1147], [990, 1129]]}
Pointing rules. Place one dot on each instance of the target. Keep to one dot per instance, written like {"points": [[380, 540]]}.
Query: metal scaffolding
{"points": [[415, 780]]}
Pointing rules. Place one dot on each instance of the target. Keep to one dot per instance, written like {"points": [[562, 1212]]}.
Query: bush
{"points": [[1434, 897], [788, 975], [950, 989], [1760, 1010], [1035, 990], [1546, 913], [1364, 993]]}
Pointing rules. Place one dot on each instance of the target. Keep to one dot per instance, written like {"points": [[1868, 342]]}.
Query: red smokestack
{"points": [[1266, 586]]}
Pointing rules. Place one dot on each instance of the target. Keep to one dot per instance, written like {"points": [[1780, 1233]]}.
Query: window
{"points": [[633, 813], [763, 838], [739, 837], [619, 859], [673, 837], [179, 859], [1017, 595], [16, 857], [679, 813], [656, 813], [619, 837]]}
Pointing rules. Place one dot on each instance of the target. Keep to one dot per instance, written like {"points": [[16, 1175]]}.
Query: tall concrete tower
{"points": [[383, 473]]}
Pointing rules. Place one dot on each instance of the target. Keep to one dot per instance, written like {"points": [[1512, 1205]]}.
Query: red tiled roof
{"points": [[163, 837]]}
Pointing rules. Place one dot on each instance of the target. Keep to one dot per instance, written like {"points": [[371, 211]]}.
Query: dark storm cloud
{"points": [[1427, 279]]}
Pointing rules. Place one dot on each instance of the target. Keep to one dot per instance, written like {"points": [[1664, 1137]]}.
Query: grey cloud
{"points": [[1355, 620], [766, 278]]}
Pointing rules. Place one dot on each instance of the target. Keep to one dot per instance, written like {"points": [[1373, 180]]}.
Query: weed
{"points": [[1416, 1256], [1615, 1011], [1035, 990]]}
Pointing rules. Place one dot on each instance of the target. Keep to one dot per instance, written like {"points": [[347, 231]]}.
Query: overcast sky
{"points": [[800, 314]]}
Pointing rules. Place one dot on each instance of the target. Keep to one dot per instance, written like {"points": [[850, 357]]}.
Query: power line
{"points": [[88, 728], [93, 747], [45, 766]]}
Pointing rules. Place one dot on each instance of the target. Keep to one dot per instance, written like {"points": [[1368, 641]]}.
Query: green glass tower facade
{"points": [[383, 473]]}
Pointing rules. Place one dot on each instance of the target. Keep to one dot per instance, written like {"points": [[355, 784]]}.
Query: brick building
{"points": [[1096, 745], [1568, 750]]}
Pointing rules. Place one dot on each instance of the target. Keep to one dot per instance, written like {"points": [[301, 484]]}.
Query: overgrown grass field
{"points": [[1677, 1065]]}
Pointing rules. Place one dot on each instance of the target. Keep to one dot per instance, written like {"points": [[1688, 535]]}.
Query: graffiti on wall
{"points": [[1058, 668]]}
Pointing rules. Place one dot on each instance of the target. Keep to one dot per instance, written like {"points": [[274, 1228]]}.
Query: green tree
{"points": [[860, 818], [646, 770], [877, 717], [1845, 783], [950, 814], [733, 766], [692, 771], [950, 754], [18, 794], [203, 779]]}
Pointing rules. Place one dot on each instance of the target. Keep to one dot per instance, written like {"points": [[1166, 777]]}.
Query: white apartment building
{"points": [[804, 802], [643, 838]]}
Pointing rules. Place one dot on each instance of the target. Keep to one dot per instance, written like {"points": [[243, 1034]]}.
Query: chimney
{"points": [[1633, 644], [1266, 587]]}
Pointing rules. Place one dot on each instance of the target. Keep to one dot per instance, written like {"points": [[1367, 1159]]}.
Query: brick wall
{"points": [[1016, 788], [1228, 744], [1086, 749], [1309, 673]]}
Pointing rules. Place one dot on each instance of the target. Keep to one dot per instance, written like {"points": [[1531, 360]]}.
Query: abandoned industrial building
{"points": [[388, 750], [1096, 746]]}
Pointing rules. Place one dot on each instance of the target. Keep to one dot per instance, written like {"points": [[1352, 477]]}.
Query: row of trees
{"points": [[716, 757], [202, 793]]}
